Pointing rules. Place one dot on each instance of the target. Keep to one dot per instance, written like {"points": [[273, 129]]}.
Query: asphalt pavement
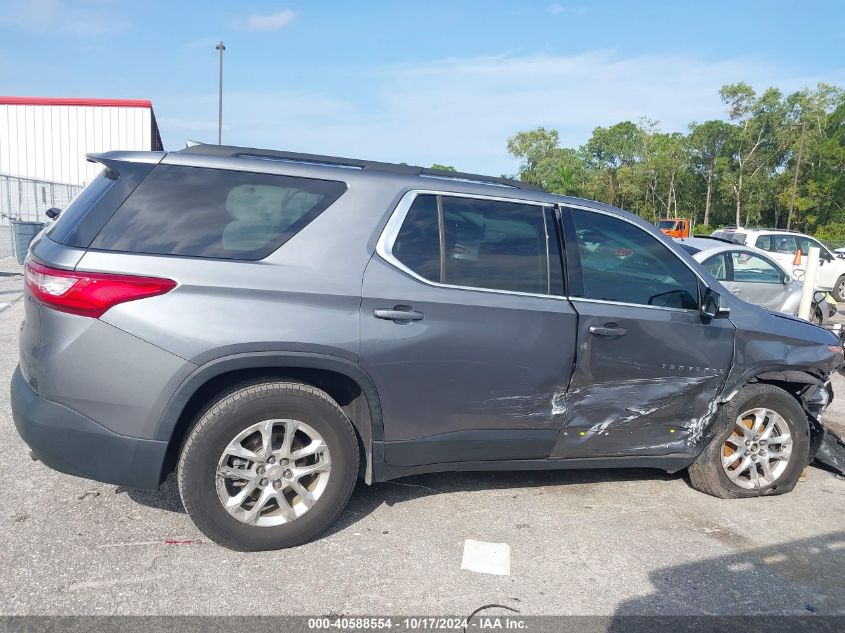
{"points": [[578, 542]]}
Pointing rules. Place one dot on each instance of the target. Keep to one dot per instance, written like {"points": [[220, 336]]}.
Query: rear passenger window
{"points": [[764, 242], [485, 244], [498, 245], [621, 262], [215, 213]]}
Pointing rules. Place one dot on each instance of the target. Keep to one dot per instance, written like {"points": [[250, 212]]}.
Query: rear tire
{"points": [[280, 498], [744, 474], [839, 289]]}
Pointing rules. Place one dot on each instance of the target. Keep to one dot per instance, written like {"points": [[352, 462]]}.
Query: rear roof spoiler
{"points": [[112, 160]]}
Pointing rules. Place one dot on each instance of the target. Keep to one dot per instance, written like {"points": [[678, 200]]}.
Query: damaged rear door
{"points": [[465, 329], [648, 365]]}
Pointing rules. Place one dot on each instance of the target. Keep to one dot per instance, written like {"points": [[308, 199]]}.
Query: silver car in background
{"points": [[752, 275]]}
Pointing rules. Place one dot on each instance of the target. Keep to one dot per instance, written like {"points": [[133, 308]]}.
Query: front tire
{"points": [[760, 448], [268, 466]]}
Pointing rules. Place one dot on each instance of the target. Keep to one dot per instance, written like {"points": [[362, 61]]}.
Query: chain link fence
{"points": [[27, 200]]}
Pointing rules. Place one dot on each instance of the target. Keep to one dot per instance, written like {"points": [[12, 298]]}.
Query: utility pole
{"points": [[795, 179], [220, 47]]}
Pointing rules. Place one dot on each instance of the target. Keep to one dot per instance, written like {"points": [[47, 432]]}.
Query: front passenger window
{"points": [[751, 268], [621, 262], [784, 244]]}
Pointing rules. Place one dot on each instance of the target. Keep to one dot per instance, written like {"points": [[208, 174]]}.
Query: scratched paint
{"points": [[648, 416]]}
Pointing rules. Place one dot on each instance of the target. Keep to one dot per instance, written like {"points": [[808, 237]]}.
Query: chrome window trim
{"points": [[384, 247]]}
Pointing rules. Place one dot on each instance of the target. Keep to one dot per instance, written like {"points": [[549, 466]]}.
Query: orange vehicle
{"points": [[675, 227]]}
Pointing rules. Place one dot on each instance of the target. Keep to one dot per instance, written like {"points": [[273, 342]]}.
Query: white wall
{"points": [[49, 142]]}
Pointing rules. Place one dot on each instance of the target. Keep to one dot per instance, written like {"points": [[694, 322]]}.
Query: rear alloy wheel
{"points": [[269, 465], [273, 472], [761, 445]]}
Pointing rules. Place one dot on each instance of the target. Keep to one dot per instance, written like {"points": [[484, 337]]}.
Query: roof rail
{"points": [[776, 230], [230, 151]]}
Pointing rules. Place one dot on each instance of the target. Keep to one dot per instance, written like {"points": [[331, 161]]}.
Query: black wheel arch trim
{"points": [[783, 373], [371, 431]]}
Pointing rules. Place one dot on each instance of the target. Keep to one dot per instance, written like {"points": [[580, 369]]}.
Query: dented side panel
{"points": [[652, 391], [767, 342]]}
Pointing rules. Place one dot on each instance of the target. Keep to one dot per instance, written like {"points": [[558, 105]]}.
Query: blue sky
{"points": [[418, 82]]}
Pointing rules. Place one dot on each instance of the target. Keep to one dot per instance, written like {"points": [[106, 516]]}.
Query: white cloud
{"points": [[461, 111], [557, 9], [82, 19], [271, 22]]}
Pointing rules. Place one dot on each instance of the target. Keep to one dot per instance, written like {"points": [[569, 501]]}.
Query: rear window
{"points": [[197, 212], [733, 236]]}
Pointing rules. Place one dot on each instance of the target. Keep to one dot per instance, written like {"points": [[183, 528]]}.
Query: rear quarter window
{"points": [[198, 212], [78, 207]]}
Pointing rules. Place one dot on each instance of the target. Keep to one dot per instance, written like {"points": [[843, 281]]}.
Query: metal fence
{"points": [[27, 199]]}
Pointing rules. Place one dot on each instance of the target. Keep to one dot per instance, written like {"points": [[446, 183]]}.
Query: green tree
{"points": [[613, 152], [533, 148], [745, 170], [707, 143], [544, 163], [756, 141]]}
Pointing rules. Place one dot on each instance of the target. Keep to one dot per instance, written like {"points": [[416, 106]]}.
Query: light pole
{"points": [[220, 47]]}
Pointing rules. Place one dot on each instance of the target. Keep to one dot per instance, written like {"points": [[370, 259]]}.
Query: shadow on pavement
{"points": [[365, 499], [796, 578]]}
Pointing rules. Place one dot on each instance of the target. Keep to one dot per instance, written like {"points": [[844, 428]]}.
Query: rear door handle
{"points": [[736, 291], [398, 314], [608, 331]]}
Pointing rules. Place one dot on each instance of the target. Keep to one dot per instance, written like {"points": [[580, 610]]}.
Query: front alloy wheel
{"points": [[760, 444], [757, 452]]}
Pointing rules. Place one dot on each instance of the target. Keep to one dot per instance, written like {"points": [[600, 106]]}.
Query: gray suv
{"points": [[273, 326]]}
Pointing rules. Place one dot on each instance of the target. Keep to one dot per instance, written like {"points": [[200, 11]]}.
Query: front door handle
{"points": [[398, 314], [736, 291], [608, 331]]}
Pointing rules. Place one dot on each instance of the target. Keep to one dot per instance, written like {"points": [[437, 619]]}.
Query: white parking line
{"points": [[487, 558]]}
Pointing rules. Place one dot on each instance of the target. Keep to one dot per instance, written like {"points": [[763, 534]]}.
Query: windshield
{"points": [[667, 224]]}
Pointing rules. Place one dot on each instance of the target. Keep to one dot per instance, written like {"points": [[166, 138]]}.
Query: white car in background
{"points": [[753, 276], [783, 246]]}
